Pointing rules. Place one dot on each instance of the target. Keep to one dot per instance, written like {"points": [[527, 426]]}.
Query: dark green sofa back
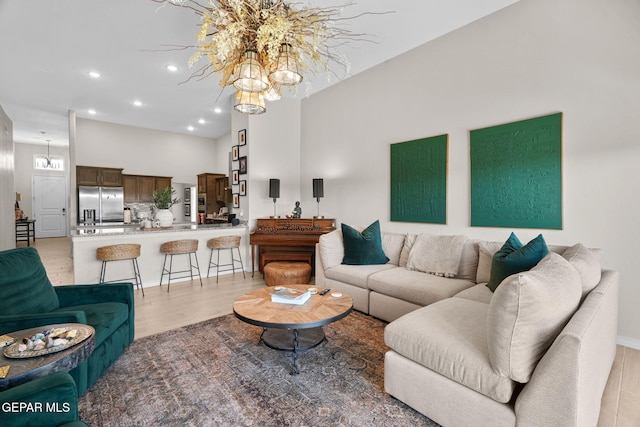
{"points": [[24, 285]]}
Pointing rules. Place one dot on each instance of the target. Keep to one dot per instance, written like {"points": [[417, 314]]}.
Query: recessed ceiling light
{"points": [[94, 74], [201, 121], [137, 103], [172, 68], [217, 110], [92, 111], [190, 128]]}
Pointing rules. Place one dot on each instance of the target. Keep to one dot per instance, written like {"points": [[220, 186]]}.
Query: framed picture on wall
{"points": [[243, 165], [234, 177], [243, 188], [236, 200], [242, 137], [235, 152]]}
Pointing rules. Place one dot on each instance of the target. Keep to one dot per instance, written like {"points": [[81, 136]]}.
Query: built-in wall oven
{"points": [[202, 202]]}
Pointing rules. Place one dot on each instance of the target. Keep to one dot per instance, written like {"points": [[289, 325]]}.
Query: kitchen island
{"points": [[86, 239]]}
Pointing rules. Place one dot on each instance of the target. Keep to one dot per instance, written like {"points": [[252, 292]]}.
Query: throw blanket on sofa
{"points": [[439, 255]]}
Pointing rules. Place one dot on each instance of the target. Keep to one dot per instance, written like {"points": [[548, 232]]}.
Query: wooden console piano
{"points": [[287, 239]]}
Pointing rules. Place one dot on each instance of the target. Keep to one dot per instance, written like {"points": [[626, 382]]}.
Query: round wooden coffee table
{"points": [[289, 327]]}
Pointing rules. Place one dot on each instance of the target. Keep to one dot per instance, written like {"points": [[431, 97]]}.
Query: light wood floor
{"points": [[189, 303]]}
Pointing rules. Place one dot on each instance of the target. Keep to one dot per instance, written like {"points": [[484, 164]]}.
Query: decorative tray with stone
{"points": [[51, 340]]}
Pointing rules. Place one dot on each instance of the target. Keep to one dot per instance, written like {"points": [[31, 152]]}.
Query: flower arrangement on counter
{"points": [[164, 199]]}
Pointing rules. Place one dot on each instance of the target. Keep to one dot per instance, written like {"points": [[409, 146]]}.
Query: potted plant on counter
{"points": [[163, 200]]}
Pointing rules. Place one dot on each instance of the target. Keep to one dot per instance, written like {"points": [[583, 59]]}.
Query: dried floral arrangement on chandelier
{"points": [[261, 45]]}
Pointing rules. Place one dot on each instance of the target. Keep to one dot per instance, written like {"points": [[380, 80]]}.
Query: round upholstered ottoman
{"points": [[280, 273]]}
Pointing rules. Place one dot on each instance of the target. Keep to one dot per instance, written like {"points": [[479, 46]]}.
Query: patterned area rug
{"points": [[214, 373]]}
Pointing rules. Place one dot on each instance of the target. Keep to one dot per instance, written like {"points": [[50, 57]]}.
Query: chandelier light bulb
{"points": [[274, 93], [286, 72], [249, 102], [251, 76]]}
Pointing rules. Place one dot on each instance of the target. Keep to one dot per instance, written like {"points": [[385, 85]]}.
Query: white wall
{"points": [[7, 188], [144, 151], [273, 141], [533, 58]]}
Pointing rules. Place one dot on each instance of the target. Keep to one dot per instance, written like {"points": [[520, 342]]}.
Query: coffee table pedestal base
{"points": [[293, 340]]}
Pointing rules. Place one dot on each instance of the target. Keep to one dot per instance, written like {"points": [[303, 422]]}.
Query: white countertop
{"points": [[128, 229]]}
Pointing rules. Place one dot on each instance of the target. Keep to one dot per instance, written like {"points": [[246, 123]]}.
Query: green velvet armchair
{"points": [[43, 402], [28, 300]]}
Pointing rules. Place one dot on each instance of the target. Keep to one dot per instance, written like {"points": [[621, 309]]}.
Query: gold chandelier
{"points": [[260, 46]]}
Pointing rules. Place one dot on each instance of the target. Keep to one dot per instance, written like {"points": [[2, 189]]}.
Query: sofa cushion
{"points": [[414, 286], [439, 255], [469, 260], [527, 312], [356, 275], [587, 264], [331, 249], [449, 337], [24, 285], [486, 251], [479, 293], [363, 247], [105, 317], [409, 240], [392, 244], [513, 258]]}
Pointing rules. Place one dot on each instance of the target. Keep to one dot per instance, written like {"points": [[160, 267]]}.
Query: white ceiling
{"points": [[48, 47]]}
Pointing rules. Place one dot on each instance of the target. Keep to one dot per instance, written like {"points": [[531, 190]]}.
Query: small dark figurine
{"points": [[297, 211]]}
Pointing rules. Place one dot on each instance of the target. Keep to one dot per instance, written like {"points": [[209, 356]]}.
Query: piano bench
{"points": [[281, 273]]}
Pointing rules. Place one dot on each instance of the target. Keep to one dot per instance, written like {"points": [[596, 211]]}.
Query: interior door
{"points": [[50, 205]]}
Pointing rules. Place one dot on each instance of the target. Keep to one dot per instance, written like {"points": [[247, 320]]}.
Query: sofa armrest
{"points": [[97, 293], [53, 401], [319, 268], [18, 322], [567, 385]]}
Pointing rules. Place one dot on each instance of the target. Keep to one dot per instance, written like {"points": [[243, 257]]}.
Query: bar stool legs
{"points": [[120, 253], [179, 247], [222, 243]]}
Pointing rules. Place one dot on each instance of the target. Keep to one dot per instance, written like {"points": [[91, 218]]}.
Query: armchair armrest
{"points": [[97, 293], [53, 399], [18, 322]]}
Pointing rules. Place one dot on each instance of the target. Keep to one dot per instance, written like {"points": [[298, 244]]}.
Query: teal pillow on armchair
{"points": [[363, 248], [514, 258]]}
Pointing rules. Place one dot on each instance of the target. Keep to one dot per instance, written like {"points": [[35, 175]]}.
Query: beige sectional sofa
{"points": [[537, 352]]}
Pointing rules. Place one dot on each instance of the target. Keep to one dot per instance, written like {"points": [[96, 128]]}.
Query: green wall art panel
{"points": [[419, 180], [516, 174]]}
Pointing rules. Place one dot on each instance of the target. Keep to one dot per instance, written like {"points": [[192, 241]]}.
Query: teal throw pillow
{"points": [[363, 248], [514, 258]]}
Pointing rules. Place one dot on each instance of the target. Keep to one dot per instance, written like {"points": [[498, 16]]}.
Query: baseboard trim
{"points": [[629, 342]]}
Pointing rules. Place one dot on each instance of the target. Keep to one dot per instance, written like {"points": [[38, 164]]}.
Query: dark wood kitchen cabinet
{"points": [[140, 188], [213, 186], [91, 175]]}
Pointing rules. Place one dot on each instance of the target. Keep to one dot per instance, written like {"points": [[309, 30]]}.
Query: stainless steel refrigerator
{"points": [[100, 204]]}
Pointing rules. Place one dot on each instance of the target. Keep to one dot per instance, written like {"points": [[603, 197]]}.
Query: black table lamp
{"points": [[318, 192], [274, 193]]}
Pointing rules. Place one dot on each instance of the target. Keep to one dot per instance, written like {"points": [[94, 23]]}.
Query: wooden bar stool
{"points": [[179, 247], [221, 243], [120, 253]]}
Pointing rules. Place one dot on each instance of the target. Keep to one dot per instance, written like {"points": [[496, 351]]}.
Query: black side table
{"points": [[25, 230], [25, 369]]}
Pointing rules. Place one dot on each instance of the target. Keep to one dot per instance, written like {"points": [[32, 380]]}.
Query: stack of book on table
{"points": [[290, 296]]}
